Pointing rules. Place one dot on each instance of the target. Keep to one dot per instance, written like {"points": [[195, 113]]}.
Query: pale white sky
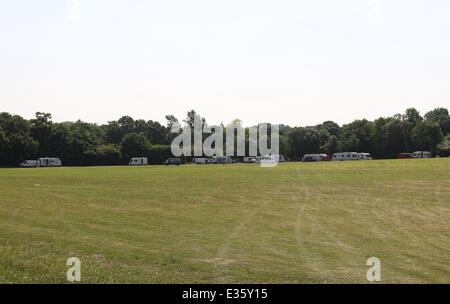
{"points": [[293, 62]]}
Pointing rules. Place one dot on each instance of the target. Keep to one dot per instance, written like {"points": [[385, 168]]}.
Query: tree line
{"points": [[82, 143]]}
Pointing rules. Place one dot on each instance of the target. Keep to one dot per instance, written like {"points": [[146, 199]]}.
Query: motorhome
{"points": [[345, 156], [138, 161], [48, 162], [421, 154], [29, 164]]}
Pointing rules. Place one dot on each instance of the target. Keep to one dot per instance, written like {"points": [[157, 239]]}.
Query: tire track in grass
{"points": [[221, 261]]}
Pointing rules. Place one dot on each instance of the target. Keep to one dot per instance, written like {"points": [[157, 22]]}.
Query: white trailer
{"points": [[48, 162], [345, 156], [138, 161], [421, 154], [365, 156]]}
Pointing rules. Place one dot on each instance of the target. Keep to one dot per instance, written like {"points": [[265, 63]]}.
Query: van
{"points": [[138, 161]]}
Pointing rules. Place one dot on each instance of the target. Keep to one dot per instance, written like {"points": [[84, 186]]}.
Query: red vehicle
{"points": [[324, 157], [404, 155]]}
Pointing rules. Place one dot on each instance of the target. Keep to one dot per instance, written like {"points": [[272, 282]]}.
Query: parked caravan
{"points": [[172, 162], [48, 162], [248, 159], [29, 164], [421, 154], [365, 156], [138, 161], [345, 156], [200, 160]]}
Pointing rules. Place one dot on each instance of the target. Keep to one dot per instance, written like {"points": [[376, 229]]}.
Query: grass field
{"points": [[297, 223]]}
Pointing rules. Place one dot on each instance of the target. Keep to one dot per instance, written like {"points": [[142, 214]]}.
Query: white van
{"points": [[29, 164], [138, 161], [345, 156], [48, 162], [421, 154], [200, 160]]}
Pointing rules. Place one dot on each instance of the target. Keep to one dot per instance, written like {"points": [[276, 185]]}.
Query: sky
{"points": [[292, 62]]}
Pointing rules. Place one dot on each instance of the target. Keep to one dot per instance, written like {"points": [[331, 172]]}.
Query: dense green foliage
{"points": [[80, 143]]}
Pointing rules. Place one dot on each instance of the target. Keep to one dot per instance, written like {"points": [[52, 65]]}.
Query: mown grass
{"points": [[296, 223]]}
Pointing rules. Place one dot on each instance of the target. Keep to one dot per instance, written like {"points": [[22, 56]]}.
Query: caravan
{"points": [[48, 162], [138, 161], [421, 154]]}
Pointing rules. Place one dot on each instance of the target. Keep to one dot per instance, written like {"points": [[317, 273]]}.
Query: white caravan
{"points": [[200, 161], [29, 164], [138, 161], [365, 156], [421, 154], [48, 162], [345, 156]]}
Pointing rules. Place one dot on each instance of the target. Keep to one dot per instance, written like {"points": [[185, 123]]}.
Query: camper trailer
{"points": [[29, 164], [365, 156], [345, 156], [48, 162], [138, 161], [421, 154]]}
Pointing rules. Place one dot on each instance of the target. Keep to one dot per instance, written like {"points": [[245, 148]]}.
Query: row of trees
{"points": [[81, 143]]}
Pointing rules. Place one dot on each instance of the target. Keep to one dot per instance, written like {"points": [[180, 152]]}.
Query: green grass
{"points": [[297, 223]]}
